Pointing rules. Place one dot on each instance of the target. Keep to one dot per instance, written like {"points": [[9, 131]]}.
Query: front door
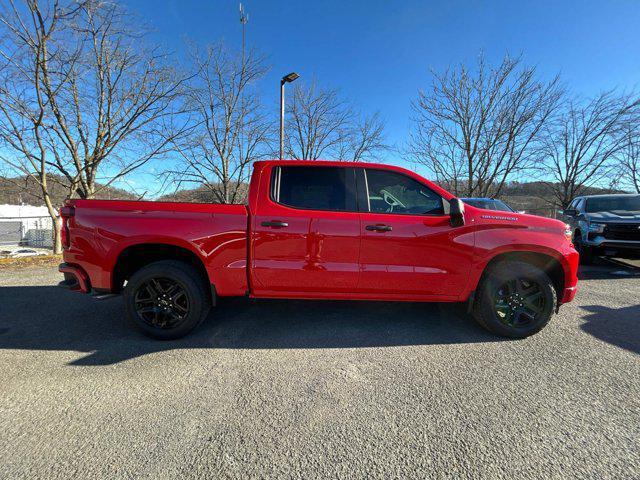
{"points": [[408, 246], [306, 236]]}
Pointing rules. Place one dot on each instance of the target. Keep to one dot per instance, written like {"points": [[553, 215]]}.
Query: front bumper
{"points": [[569, 294], [608, 247], [75, 278], [569, 261]]}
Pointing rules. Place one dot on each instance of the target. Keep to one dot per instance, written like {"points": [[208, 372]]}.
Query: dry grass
{"points": [[42, 260]]}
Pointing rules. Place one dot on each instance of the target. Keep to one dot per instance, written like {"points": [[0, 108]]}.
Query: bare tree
{"points": [[323, 125], [580, 148], [228, 127], [475, 130], [27, 44], [113, 101], [365, 140], [80, 95], [629, 157]]}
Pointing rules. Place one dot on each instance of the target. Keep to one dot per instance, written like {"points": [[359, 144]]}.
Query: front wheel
{"points": [[516, 300], [585, 251], [166, 299]]}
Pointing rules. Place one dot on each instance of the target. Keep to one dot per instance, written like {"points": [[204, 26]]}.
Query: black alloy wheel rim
{"points": [[162, 303], [519, 302]]}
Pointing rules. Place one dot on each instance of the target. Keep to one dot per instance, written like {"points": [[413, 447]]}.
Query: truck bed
{"points": [[103, 230]]}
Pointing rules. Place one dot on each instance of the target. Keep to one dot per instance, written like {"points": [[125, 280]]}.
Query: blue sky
{"points": [[378, 53]]}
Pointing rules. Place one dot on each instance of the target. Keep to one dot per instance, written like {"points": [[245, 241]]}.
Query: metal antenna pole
{"points": [[244, 18]]}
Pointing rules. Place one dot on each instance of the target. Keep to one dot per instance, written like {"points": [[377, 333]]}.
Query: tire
{"points": [[166, 300], [585, 251], [515, 300]]}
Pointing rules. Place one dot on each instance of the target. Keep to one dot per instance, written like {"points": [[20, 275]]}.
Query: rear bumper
{"points": [[75, 278]]}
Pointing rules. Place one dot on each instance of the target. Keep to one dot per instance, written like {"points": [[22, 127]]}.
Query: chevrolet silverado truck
{"points": [[605, 225], [320, 230]]}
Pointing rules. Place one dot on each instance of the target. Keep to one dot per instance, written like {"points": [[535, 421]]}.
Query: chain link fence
{"points": [[26, 231]]}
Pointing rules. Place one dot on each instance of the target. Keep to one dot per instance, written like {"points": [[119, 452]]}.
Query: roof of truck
{"points": [[608, 195], [260, 164], [330, 163]]}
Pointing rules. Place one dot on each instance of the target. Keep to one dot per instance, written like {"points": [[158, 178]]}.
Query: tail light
{"points": [[66, 213]]}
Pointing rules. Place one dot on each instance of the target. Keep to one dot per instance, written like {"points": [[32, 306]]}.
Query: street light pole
{"points": [[286, 79], [282, 82]]}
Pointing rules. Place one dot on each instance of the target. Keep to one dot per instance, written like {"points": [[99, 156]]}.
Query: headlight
{"points": [[596, 227], [568, 233]]}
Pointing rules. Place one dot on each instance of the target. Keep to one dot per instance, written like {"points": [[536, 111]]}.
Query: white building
{"points": [[25, 225]]}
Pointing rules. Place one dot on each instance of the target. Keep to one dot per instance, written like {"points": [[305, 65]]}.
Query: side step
{"points": [[104, 296]]}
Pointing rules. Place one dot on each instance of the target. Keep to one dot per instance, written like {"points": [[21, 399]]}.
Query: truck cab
{"points": [[321, 230]]}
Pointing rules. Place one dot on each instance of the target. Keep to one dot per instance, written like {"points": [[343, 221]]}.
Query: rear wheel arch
{"points": [[166, 299], [134, 257]]}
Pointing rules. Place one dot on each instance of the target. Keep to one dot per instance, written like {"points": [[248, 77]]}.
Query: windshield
{"points": [[610, 204], [488, 204]]}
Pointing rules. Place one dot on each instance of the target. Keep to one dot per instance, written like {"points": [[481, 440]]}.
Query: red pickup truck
{"points": [[320, 230]]}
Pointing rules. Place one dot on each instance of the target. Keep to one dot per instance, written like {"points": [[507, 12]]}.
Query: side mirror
{"points": [[570, 212], [456, 212]]}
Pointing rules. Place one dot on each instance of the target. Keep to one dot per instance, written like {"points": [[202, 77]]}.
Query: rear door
{"points": [[306, 233], [408, 245]]}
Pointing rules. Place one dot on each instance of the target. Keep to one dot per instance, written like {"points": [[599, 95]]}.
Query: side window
{"points": [[391, 192], [314, 188]]}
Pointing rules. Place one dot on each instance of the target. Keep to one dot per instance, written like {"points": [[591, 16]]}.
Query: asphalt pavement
{"points": [[295, 389]]}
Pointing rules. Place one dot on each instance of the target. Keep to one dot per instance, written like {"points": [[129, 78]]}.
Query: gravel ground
{"points": [[294, 389]]}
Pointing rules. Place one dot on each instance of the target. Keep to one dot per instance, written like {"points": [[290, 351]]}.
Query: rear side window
{"points": [[314, 188], [391, 192]]}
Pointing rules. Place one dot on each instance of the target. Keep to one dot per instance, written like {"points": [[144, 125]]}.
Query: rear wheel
{"points": [[166, 299], [516, 299]]}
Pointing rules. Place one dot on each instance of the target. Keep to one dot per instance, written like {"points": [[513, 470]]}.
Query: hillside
{"points": [[24, 190], [202, 194], [533, 197], [537, 197]]}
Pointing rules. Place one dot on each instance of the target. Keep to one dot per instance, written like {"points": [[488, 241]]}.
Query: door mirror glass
{"points": [[570, 212], [456, 212]]}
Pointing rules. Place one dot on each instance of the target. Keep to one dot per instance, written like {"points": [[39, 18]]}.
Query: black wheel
{"points": [[516, 299], [166, 300], [585, 251]]}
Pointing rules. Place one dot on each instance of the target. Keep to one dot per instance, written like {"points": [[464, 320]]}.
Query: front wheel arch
{"points": [[550, 265], [491, 315]]}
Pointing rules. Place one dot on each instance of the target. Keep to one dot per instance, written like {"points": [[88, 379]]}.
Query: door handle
{"points": [[275, 224], [378, 228]]}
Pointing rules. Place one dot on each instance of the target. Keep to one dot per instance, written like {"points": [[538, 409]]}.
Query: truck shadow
{"points": [[607, 269], [617, 326], [49, 318]]}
